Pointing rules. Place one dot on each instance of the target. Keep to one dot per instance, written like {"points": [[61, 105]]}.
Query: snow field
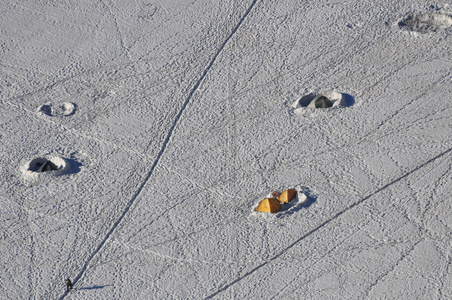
{"points": [[181, 119]]}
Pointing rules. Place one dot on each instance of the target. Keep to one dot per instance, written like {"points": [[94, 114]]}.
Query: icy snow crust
{"points": [[182, 119]]}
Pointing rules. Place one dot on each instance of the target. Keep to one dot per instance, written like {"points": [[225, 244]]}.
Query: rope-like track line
{"points": [[161, 152], [293, 244]]}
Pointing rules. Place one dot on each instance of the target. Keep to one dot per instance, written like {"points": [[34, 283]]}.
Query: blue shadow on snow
{"points": [[95, 287], [294, 206]]}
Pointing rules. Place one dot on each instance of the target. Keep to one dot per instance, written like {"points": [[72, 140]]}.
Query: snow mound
{"points": [[44, 166], [426, 22], [64, 109]]}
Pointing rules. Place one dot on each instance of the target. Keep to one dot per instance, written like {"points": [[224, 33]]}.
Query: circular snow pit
{"points": [[45, 165], [68, 108], [64, 109], [427, 22], [321, 100]]}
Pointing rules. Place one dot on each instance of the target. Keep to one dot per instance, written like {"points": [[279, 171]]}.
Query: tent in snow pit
{"points": [[46, 166], [269, 205], [320, 101], [287, 195]]}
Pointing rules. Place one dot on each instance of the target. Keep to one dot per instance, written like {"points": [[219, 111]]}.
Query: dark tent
{"points": [[320, 101], [46, 166]]}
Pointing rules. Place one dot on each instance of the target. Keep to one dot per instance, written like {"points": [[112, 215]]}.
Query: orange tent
{"points": [[287, 195], [269, 205]]}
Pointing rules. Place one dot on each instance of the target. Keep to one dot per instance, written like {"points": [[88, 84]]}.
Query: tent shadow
{"points": [[294, 206], [349, 100], [95, 287], [74, 165]]}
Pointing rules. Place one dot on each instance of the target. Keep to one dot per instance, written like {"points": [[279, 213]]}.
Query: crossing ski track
{"points": [[323, 224], [378, 131], [161, 152], [381, 277]]}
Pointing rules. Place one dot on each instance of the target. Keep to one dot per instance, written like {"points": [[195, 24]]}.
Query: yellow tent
{"points": [[287, 195], [269, 205]]}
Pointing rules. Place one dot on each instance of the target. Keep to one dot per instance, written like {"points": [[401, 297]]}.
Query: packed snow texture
{"points": [[174, 118]]}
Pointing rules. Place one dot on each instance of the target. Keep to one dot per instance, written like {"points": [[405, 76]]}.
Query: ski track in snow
{"points": [[118, 30], [274, 258], [162, 150], [380, 278], [380, 130], [370, 135], [74, 131], [346, 144]]}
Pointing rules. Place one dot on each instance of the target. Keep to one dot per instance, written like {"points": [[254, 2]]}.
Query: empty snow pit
{"points": [[49, 165], [68, 108], [427, 22], [64, 109], [321, 100]]}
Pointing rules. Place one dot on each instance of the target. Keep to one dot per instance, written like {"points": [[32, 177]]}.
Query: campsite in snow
{"points": [[255, 149]]}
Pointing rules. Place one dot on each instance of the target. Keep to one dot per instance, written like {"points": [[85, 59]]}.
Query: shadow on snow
{"points": [[95, 287]]}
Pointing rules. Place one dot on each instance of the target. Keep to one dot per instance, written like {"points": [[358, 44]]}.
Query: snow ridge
{"points": [[162, 150]]}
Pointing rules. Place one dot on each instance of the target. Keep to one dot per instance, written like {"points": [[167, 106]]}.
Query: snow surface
{"points": [[174, 118]]}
